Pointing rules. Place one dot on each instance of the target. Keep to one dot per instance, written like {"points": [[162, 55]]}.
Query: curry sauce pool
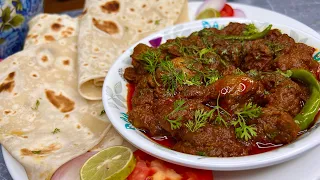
{"points": [[221, 97]]}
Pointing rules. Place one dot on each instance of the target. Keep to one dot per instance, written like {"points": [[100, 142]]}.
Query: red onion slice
{"points": [[239, 13], [214, 4], [71, 169], [155, 42]]}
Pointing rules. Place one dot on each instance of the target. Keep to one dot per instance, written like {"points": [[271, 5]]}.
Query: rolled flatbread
{"points": [[108, 28], [44, 121]]}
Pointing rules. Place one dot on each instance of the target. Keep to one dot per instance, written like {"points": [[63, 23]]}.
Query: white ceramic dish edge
{"points": [[238, 163]]}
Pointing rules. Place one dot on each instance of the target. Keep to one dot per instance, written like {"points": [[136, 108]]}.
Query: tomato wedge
{"points": [[227, 11], [151, 168]]}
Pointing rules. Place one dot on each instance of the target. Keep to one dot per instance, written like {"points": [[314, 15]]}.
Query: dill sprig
{"points": [[172, 76], [249, 111], [200, 119], [178, 105], [151, 60]]}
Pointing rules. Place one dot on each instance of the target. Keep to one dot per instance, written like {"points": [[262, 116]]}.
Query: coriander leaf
{"points": [[151, 61], [287, 73], [200, 153], [178, 106], [204, 51], [200, 119], [242, 130], [220, 111], [55, 131]]}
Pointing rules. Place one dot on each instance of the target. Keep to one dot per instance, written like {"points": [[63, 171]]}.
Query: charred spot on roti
{"points": [[66, 33], [106, 26], [132, 9], [66, 62], [70, 29], [78, 126], [7, 112], [49, 38], [34, 36], [44, 58], [160, 7], [40, 151], [56, 26], [144, 6], [67, 116], [110, 7], [8, 83], [59, 19], [150, 21], [64, 104]]}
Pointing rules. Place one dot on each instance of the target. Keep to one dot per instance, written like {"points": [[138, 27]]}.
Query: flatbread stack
{"points": [[44, 121], [49, 110], [108, 28]]}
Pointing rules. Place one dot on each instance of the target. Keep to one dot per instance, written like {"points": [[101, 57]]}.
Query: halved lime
{"points": [[114, 163], [208, 13]]}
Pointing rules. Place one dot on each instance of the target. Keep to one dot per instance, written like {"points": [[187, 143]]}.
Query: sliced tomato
{"points": [[151, 168], [140, 172], [227, 11]]}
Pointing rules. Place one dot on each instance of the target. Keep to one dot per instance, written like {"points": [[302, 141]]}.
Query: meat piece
{"points": [[278, 42], [217, 141], [163, 107], [131, 75], [276, 126], [142, 96], [298, 57], [142, 117], [258, 56], [286, 96], [234, 29], [230, 51]]}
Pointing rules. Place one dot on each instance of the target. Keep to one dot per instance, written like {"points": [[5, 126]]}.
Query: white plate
{"points": [[305, 167]]}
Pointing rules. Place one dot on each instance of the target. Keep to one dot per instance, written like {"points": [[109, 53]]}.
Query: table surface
{"points": [[306, 11]]}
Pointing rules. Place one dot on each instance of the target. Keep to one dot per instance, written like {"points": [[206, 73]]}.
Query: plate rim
{"points": [[187, 159]]}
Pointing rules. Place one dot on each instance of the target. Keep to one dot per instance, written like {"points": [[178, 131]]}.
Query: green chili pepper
{"points": [[250, 37], [312, 105]]}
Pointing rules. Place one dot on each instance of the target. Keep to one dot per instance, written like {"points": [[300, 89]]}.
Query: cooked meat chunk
{"points": [[276, 126], [298, 57]]}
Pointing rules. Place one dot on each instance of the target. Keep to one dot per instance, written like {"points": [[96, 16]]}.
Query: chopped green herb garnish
{"points": [[172, 76], [253, 73], [36, 152], [200, 153], [151, 61], [55, 131], [287, 73], [249, 111], [178, 106], [238, 72], [200, 119], [104, 112], [219, 119], [36, 106]]}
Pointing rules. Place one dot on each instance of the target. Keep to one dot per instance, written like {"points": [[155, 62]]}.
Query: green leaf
{"points": [[36, 152], [2, 40], [6, 14], [7, 27], [17, 20]]}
